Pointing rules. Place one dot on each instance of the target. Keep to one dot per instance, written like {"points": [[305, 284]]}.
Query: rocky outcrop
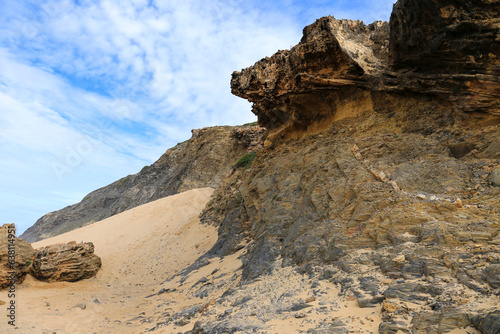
{"points": [[445, 50], [202, 161], [65, 262], [378, 175], [369, 140], [489, 324], [331, 60], [13, 251], [449, 48]]}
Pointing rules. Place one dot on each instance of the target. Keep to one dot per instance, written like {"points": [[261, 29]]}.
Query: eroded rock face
{"points": [[445, 50], [379, 164], [449, 47], [66, 262], [333, 55], [23, 256], [446, 36]]}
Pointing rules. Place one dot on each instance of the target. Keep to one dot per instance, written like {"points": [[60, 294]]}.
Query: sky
{"points": [[93, 90]]}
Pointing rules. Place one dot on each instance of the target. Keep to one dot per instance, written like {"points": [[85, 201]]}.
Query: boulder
{"points": [[23, 256], [489, 324], [66, 262], [494, 177]]}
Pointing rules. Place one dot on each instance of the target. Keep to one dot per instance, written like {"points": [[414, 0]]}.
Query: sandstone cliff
{"points": [[378, 171], [202, 161], [13, 251]]}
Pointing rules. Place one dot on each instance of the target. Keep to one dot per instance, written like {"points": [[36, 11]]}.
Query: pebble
{"points": [[83, 306], [310, 299]]}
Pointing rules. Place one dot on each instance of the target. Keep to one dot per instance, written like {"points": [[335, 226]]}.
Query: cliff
{"points": [[379, 169], [444, 50], [202, 161]]}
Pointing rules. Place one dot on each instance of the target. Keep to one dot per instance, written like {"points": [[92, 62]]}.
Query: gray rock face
{"points": [[202, 161], [66, 262], [23, 255]]}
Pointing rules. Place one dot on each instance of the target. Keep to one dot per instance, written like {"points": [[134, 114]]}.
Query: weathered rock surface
{"points": [[65, 262], [380, 146], [444, 49], [23, 256], [202, 161], [489, 324], [378, 177]]}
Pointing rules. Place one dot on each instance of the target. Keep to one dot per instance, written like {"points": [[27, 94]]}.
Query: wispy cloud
{"points": [[92, 90]]}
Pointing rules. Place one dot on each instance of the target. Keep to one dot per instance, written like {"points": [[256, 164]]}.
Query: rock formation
{"points": [[382, 138], [202, 161], [379, 174], [65, 262], [23, 256], [444, 50]]}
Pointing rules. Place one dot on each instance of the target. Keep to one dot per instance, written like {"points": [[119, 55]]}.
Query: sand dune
{"points": [[139, 249]]}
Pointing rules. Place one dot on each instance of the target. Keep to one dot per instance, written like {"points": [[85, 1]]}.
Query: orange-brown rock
{"points": [[66, 262], [22, 252]]}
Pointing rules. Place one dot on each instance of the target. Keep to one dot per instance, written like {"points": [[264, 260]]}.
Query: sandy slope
{"points": [[139, 249]]}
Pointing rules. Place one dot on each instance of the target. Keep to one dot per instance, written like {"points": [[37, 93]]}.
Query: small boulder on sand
{"points": [[66, 262]]}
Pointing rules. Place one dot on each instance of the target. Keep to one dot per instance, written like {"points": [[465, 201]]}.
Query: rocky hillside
{"points": [[381, 170], [202, 161]]}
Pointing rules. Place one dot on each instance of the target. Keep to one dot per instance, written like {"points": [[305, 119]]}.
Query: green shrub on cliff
{"points": [[246, 160]]}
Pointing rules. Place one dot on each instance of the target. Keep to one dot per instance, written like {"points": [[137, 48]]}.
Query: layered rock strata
{"points": [[379, 170], [69, 262]]}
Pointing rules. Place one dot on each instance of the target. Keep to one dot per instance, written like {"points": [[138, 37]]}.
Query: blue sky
{"points": [[91, 91]]}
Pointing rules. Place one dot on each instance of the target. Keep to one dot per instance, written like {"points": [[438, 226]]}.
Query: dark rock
{"points": [[370, 285], [82, 306], [242, 300], [65, 262], [299, 306], [334, 327], [451, 45], [494, 177], [440, 322], [489, 324]]}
